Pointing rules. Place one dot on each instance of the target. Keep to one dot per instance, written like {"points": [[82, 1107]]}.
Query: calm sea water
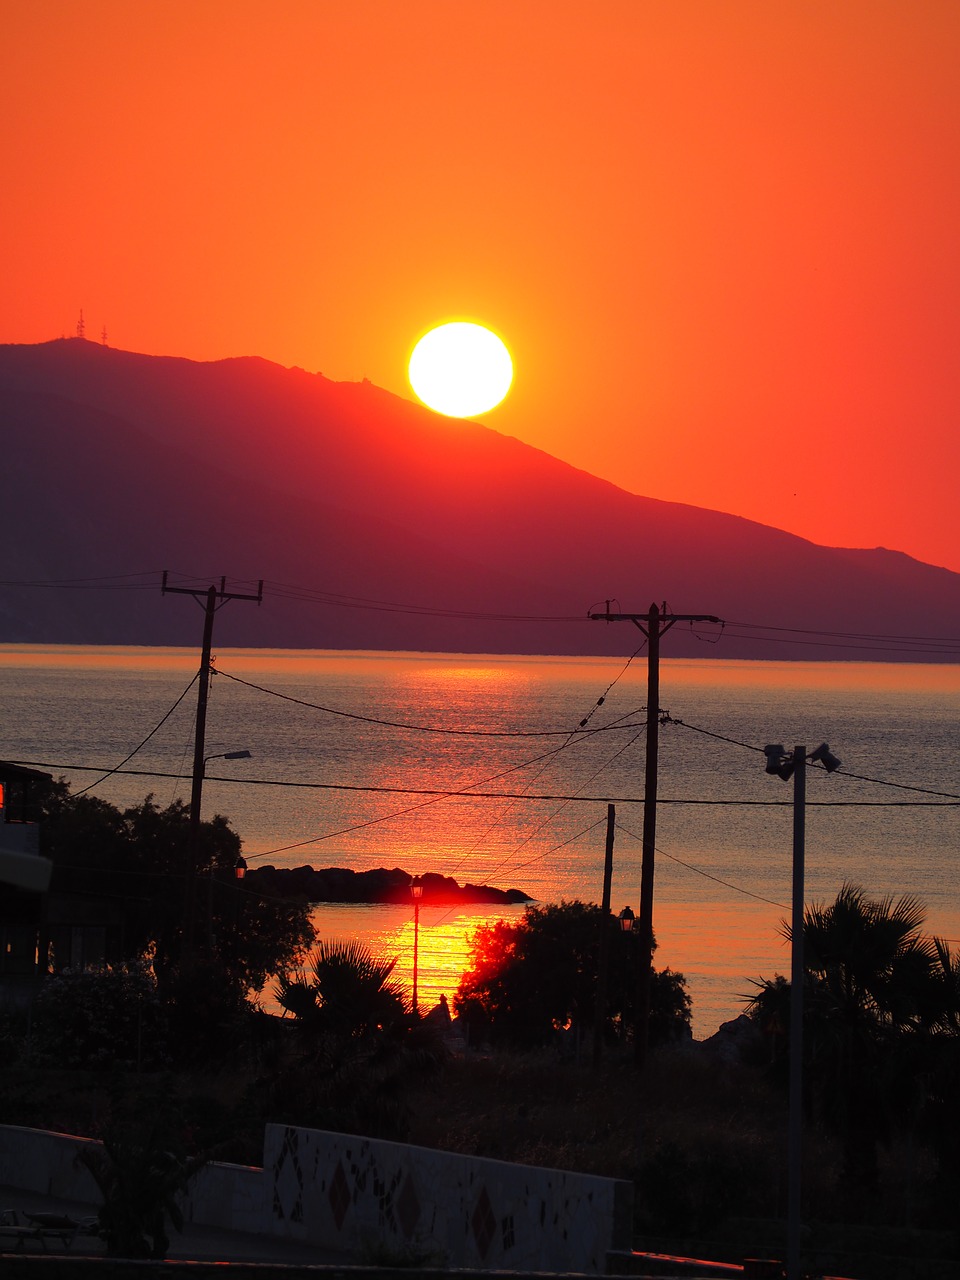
{"points": [[351, 754]]}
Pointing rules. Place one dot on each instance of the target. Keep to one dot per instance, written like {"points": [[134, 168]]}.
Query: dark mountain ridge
{"points": [[118, 464]]}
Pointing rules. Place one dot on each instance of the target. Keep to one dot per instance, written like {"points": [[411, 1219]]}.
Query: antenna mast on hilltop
{"points": [[103, 335], [81, 326]]}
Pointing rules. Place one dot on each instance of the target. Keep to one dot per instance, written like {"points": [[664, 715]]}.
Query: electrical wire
{"points": [[505, 863], [465, 793], [434, 797], [581, 726], [838, 773], [141, 745], [109, 583], [942, 646], [406, 725], [700, 872]]}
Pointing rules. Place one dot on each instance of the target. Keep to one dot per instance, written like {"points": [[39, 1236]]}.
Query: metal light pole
{"points": [[416, 893], [794, 765], [217, 755]]}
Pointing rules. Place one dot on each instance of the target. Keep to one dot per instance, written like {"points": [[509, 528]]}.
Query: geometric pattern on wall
{"points": [[469, 1211], [484, 1222], [339, 1195], [288, 1178], [408, 1208]]}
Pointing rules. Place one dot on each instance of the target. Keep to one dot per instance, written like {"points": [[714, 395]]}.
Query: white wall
{"points": [[378, 1200], [373, 1200]]}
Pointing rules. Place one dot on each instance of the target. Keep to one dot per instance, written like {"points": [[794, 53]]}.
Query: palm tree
{"points": [[351, 993], [362, 1042], [870, 958], [871, 994], [871, 987], [947, 978]]}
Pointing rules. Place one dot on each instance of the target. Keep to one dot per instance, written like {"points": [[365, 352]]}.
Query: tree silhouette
{"points": [[361, 1044], [536, 977], [880, 1006]]}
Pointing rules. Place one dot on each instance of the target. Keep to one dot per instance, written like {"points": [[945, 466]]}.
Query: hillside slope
{"points": [[339, 495]]}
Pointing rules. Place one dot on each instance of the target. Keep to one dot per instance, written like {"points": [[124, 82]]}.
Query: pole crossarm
{"points": [[666, 620], [222, 594]]}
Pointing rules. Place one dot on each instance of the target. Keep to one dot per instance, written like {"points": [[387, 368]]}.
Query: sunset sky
{"points": [[720, 237]]}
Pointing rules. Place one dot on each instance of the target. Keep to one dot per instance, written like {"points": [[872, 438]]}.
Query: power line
{"points": [[706, 874], [844, 635], [839, 773], [141, 745], [417, 728], [436, 796], [454, 793], [945, 646], [114, 582]]}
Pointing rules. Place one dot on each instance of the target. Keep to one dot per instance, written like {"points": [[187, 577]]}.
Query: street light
{"points": [[416, 893], [786, 765], [226, 755], [626, 918], [240, 867]]}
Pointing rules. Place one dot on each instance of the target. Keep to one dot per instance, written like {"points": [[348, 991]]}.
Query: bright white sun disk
{"points": [[460, 369]]}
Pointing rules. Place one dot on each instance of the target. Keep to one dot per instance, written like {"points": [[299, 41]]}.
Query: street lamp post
{"points": [[416, 893], [217, 755], [786, 765]]}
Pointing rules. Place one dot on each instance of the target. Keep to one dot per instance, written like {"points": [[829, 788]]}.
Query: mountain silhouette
{"points": [[377, 524]]}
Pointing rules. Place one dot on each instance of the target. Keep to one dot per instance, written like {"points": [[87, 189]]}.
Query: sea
{"points": [[499, 770]]}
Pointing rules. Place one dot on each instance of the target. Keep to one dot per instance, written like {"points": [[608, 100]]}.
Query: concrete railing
{"points": [[35, 1160], [388, 1200], [375, 1201]]}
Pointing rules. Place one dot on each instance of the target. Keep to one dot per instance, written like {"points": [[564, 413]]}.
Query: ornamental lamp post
{"points": [[416, 893]]}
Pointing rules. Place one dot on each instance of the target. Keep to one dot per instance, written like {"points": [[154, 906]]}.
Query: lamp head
{"points": [[825, 756], [626, 918], [416, 888], [778, 762]]}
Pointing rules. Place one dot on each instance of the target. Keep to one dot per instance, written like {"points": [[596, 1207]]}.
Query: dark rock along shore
{"points": [[381, 885]]}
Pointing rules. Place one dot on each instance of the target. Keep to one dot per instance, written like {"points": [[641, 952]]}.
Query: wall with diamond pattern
{"points": [[359, 1195]]}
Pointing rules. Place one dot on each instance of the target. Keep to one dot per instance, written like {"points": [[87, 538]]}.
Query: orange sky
{"points": [[721, 237]]}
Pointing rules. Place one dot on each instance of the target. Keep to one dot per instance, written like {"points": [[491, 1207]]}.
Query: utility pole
{"points": [[654, 623], [212, 599], [603, 958]]}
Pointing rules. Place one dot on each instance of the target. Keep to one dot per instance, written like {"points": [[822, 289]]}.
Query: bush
{"points": [[98, 1018]]}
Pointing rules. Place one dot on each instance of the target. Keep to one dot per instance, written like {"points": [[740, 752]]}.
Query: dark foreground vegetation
{"points": [[170, 1063], [704, 1144]]}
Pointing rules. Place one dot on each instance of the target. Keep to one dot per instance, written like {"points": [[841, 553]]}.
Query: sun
{"points": [[460, 369]]}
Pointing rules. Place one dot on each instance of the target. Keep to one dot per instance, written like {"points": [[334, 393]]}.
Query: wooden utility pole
{"points": [[654, 623], [212, 599], [603, 957]]}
